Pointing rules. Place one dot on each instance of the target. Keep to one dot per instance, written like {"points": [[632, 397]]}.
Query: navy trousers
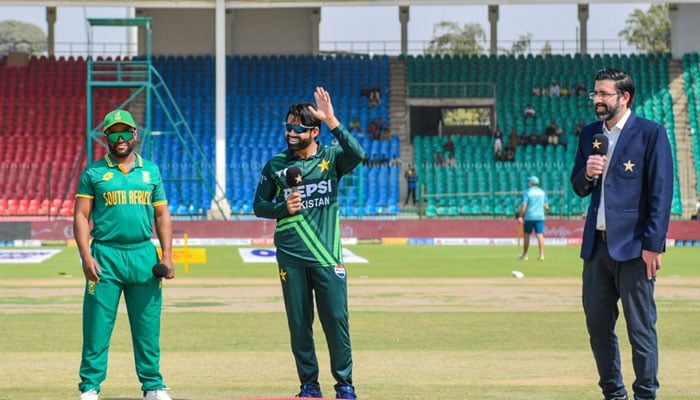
{"points": [[605, 281]]}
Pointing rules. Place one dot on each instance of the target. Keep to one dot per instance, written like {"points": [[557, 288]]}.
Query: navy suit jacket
{"points": [[638, 189]]}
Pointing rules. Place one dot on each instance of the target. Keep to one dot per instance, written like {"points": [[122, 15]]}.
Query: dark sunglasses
{"points": [[114, 136], [298, 129]]}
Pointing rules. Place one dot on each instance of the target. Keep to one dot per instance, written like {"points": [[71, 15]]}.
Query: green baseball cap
{"points": [[118, 117]]}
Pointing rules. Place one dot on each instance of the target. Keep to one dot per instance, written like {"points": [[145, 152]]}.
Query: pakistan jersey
{"points": [[120, 196], [311, 237]]}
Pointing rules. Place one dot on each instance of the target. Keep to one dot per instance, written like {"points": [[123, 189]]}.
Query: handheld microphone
{"points": [[600, 148], [160, 270], [293, 177]]}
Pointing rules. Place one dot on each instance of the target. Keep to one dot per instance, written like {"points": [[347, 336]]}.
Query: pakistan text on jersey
{"points": [[322, 187], [311, 203], [120, 197]]}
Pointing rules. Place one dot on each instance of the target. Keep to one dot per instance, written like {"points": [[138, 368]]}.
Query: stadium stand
{"points": [[259, 91], [486, 186], [38, 174], [691, 73], [43, 106]]}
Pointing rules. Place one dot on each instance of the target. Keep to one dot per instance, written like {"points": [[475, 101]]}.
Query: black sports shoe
{"points": [[345, 392], [309, 390]]}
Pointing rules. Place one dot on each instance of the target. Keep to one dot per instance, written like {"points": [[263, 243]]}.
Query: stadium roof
{"points": [[301, 3]]}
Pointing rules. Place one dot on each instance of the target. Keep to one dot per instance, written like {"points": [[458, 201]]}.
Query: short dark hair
{"points": [[623, 81], [301, 110]]}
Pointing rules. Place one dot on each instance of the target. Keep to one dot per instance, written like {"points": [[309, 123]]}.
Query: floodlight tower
{"points": [[134, 74], [141, 77]]}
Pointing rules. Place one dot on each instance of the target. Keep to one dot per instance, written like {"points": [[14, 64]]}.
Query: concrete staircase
{"points": [[398, 115], [686, 168]]}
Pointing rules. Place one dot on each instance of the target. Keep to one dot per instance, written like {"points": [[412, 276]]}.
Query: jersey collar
{"points": [[113, 164]]}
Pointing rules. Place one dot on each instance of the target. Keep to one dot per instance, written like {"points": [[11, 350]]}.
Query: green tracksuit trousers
{"points": [[299, 285], [127, 269]]}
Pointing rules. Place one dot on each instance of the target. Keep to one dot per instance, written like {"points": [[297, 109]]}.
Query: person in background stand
{"points": [[529, 112], [631, 189], [497, 142], [411, 183], [449, 146], [513, 139], [395, 161], [439, 159], [354, 125]]}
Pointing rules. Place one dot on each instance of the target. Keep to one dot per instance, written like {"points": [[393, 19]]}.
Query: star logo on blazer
{"points": [[629, 165], [324, 165]]}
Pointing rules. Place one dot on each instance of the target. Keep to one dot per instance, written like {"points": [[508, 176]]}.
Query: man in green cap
{"points": [[123, 194]]}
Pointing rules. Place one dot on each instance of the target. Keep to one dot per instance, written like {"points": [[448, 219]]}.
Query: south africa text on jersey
{"points": [[118, 197]]}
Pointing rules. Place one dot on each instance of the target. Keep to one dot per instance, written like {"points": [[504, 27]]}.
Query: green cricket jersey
{"points": [[120, 197], [311, 237]]}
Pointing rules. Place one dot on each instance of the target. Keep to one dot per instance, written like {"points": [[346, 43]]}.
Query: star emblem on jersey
{"points": [[596, 144], [283, 275], [629, 165], [324, 165]]}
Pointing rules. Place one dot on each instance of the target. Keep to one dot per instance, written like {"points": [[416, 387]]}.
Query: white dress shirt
{"points": [[613, 135]]}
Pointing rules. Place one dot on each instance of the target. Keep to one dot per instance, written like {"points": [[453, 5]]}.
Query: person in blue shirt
{"points": [[411, 183], [531, 215]]}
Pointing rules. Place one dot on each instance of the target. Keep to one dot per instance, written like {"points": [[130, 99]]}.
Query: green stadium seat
{"points": [[524, 71]]}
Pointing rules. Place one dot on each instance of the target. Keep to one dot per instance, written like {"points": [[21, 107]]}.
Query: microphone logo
{"points": [[293, 177], [600, 144], [596, 144], [600, 148]]}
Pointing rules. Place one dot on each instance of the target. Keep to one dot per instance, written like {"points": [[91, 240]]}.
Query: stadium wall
{"points": [[187, 32], [568, 231]]}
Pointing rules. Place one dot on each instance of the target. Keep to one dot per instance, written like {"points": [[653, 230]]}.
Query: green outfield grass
{"points": [[427, 323], [387, 262]]}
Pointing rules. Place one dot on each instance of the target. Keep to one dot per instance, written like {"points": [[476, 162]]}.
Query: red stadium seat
{"points": [[11, 210]]}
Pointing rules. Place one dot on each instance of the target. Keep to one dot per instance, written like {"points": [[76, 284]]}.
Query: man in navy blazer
{"points": [[631, 189]]}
